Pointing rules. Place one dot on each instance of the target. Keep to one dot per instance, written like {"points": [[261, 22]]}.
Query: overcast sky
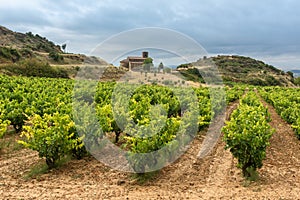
{"points": [[264, 29]]}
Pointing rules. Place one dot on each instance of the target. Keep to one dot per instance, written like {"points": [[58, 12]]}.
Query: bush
{"points": [[297, 81], [247, 134], [192, 75], [53, 136], [10, 54], [35, 68], [56, 56], [271, 81], [3, 123], [26, 52], [16, 112], [257, 81]]}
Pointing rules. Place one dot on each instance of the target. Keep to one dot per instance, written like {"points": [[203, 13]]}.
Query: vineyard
{"points": [[287, 104], [55, 119]]}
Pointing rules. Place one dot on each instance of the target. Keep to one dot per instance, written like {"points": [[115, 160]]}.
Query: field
{"points": [[40, 111]]}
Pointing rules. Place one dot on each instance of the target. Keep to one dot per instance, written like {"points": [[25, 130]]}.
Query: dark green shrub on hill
{"points": [[257, 81], [272, 81], [56, 57], [10, 54], [192, 74], [35, 68], [297, 81]]}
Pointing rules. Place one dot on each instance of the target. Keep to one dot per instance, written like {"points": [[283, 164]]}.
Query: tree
{"points": [[290, 74], [64, 46], [160, 66], [148, 63], [30, 34]]}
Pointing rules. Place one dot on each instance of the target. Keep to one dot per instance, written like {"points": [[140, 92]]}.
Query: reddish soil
{"points": [[212, 177]]}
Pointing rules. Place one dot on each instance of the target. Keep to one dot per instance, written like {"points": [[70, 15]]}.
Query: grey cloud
{"points": [[23, 17], [269, 27]]}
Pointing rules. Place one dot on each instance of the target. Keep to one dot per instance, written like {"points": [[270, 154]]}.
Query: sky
{"points": [[268, 30]]}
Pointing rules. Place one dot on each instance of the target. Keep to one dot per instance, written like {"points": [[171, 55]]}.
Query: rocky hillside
{"points": [[28, 41], [241, 69], [20, 52]]}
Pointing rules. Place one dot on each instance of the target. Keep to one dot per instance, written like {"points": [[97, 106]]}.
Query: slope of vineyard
{"points": [[286, 101], [30, 102], [212, 177], [247, 134]]}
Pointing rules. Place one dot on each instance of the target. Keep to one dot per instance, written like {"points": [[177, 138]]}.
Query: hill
{"points": [[240, 69], [28, 41], [33, 55]]}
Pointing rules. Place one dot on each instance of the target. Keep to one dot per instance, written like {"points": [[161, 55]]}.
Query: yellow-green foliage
{"points": [[248, 132], [53, 136], [3, 123]]}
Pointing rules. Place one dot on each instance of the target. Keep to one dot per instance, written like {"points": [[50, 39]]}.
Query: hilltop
{"points": [[240, 69], [30, 54]]}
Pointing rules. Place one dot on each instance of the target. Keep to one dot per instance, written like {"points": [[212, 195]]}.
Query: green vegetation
{"points": [[297, 81], [52, 136], [184, 66], [148, 61], [64, 46], [10, 54], [37, 43], [148, 64], [32, 55], [35, 68], [3, 123], [239, 69], [161, 66], [247, 134], [192, 74], [250, 71], [41, 109], [286, 101], [56, 56], [36, 171]]}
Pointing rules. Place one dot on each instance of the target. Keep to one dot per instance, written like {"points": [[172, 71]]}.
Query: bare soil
{"points": [[212, 177]]}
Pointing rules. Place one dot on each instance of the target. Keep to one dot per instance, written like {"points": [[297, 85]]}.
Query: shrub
{"points": [[10, 54], [35, 68], [53, 136], [3, 123], [247, 134], [56, 56], [297, 81]]}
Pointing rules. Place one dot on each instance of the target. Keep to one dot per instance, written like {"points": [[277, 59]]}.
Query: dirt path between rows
{"points": [[282, 165], [212, 177]]}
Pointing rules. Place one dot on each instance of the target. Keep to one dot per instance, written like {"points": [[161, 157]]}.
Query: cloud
{"points": [[269, 27]]}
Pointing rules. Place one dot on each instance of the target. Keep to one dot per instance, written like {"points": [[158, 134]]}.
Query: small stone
{"points": [[121, 182]]}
